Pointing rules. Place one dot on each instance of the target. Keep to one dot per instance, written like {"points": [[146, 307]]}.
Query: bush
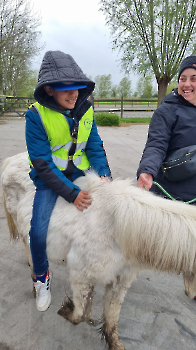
{"points": [[106, 119]]}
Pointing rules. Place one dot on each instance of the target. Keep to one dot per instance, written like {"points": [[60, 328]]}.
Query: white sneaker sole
{"points": [[44, 307]]}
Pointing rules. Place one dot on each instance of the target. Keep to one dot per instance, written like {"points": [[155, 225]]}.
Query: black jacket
{"points": [[173, 126]]}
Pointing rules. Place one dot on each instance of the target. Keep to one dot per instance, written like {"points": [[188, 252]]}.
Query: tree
{"points": [[27, 83], [18, 42], [114, 91], [153, 34], [124, 87], [135, 94], [144, 87], [172, 85], [103, 85]]}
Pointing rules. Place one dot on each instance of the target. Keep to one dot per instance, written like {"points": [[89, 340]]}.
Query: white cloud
{"points": [[84, 11]]}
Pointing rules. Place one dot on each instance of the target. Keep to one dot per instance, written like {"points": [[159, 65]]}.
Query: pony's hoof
{"points": [[67, 312], [66, 309], [62, 313], [34, 292], [194, 298]]}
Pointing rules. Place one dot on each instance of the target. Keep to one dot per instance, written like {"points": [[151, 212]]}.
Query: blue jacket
{"points": [[173, 126], [44, 171]]}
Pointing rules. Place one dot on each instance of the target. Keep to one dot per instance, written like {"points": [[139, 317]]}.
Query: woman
{"points": [[173, 127]]}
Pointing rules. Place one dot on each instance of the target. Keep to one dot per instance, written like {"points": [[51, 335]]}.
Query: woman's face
{"points": [[187, 85]]}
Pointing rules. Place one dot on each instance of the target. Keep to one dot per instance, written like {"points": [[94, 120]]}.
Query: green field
{"points": [[135, 120]]}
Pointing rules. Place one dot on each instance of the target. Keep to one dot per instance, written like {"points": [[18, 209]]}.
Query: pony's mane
{"points": [[148, 198], [158, 232]]}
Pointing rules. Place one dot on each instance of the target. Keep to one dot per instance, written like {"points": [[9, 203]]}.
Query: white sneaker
{"points": [[43, 295]]}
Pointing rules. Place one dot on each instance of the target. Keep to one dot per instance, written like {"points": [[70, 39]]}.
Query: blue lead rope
{"points": [[168, 195]]}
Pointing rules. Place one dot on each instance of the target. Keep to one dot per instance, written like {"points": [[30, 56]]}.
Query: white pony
{"points": [[124, 231]]}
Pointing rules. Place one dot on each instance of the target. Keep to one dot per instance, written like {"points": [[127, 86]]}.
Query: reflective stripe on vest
{"points": [[58, 132]]}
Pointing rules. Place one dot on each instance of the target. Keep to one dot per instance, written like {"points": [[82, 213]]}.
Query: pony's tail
{"points": [[12, 227]]}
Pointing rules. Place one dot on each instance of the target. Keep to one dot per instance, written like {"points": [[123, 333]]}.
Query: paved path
{"points": [[156, 313]]}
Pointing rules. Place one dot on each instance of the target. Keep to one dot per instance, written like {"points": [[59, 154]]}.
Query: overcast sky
{"points": [[77, 27]]}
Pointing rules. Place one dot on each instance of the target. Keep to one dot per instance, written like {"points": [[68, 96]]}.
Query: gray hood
{"points": [[60, 67]]}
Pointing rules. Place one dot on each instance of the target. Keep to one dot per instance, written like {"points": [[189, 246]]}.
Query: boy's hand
{"points": [[83, 200], [105, 178]]}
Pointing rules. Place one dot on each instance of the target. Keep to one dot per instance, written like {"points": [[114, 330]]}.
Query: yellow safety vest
{"points": [[58, 132]]}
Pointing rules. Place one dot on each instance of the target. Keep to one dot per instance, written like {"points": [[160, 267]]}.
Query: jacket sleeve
{"points": [[40, 155], [96, 153], [159, 135]]}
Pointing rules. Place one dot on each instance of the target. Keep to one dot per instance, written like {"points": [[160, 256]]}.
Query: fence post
{"points": [[91, 99], [121, 107], [1, 104]]}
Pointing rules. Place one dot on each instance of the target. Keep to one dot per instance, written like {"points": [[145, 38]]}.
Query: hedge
{"points": [[106, 119]]}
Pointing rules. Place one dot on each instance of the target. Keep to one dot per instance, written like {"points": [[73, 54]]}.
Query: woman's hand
{"points": [[145, 181], [83, 200]]}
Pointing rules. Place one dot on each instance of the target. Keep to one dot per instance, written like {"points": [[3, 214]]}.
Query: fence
{"points": [[123, 104], [10, 105]]}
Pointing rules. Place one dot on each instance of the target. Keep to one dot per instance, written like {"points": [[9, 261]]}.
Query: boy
{"points": [[62, 143]]}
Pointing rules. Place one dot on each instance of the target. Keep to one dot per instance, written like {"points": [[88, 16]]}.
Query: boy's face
{"points": [[65, 99]]}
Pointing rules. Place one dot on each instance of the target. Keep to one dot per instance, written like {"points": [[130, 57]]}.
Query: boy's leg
{"points": [[44, 202]]}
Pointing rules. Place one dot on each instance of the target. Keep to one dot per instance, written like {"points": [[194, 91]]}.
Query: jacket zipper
{"points": [[173, 166]]}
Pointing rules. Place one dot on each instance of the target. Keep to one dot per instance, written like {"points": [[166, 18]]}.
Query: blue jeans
{"points": [[44, 202]]}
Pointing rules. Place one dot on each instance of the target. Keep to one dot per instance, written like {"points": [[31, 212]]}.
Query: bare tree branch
{"points": [[153, 35], [19, 37]]}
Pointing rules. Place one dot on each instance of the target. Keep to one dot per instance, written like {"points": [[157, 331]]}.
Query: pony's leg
{"points": [[10, 221], [80, 309], [114, 296], [27, 252], [15, 235]]}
